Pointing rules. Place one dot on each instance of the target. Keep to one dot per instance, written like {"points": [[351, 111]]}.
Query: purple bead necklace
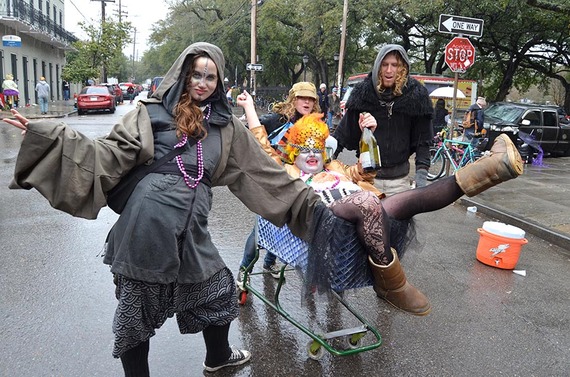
{"points": [[199, 156]]}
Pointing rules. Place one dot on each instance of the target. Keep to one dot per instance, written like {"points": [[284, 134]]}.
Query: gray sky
{"points": [[141, 13]]}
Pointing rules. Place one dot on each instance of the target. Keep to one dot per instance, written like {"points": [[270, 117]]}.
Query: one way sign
{"points": [[254, 67], [460, 25]]}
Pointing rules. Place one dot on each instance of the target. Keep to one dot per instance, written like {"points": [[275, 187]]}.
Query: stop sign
{"points": [[459, 54]]}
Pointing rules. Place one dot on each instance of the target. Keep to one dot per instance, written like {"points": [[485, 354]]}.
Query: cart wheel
{"points": [[242, 298], [315, 350], [353, 341]]}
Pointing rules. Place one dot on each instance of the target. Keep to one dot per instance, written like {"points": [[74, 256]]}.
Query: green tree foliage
{"points": [[524, 42], [104, 48]]}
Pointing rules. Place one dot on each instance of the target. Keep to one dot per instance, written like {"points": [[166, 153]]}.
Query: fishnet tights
{"points": [[372, 216]]}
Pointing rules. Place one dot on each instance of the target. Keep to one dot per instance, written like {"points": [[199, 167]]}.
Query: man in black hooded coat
{"points": [[403, 111]]}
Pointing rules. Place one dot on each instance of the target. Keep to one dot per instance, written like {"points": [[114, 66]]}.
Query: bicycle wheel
{"points": [[437, 165]]}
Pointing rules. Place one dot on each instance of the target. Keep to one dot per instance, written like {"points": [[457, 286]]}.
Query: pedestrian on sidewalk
{"points": [[10, 91], [42, 87], [66, 90], [334, 109]]}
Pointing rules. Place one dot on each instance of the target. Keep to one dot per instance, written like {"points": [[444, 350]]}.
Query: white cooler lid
{"points": [[502, 229]]}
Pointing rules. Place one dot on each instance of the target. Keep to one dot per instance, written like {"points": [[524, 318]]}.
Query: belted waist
{"points": [[191, 170]]}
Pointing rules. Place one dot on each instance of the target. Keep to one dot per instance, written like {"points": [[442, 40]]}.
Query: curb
{"points": [[8, 115], [548, 234]]}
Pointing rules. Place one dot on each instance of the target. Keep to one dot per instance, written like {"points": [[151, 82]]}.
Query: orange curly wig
{"points": [[308, 132]]}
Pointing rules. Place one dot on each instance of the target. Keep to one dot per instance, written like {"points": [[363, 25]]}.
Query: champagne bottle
{"points": [[369, 152]]}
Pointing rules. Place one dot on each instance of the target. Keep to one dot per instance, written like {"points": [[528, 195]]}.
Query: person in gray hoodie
{"points": [[403, 111], [42, 87]]}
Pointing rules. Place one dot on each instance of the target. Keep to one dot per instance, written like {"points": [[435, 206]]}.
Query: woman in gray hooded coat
{"points": [[160, 252]]}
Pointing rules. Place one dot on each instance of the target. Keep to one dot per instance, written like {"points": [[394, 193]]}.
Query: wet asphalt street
{"points": [[57, 303]]}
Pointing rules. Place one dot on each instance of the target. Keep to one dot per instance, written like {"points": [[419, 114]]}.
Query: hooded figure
{"points": [[403, 111], [160, 250]]}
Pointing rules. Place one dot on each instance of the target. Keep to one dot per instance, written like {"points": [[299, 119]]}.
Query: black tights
{"points": [[135, 360], [440, 194], [372, 216], [217, 346]]}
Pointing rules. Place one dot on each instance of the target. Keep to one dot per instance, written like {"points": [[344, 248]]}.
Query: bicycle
{"points": [[454, 152]]}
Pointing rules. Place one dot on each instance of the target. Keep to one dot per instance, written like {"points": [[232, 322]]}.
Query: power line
{"points": [[82, 15]]}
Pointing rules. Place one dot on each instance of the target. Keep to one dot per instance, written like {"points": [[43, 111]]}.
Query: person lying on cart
{"points": [[350, 195]]}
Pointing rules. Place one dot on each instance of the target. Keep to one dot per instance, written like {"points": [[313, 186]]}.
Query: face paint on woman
{"points": [[203, 79], [310, 162]]}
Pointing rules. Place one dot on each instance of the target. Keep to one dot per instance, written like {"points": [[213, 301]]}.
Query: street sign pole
{"points": [[453, 116], [459, 54]]}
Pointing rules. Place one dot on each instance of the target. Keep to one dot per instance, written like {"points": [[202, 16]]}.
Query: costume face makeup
{"points": [[203, 79], [309, 162]]}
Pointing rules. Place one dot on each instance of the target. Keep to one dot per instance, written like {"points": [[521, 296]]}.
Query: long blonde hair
{"points": [[188, 115], [401, 75], [287, 107]]}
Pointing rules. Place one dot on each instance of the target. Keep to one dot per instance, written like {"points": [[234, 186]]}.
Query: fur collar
{"points": [[414, 100]]}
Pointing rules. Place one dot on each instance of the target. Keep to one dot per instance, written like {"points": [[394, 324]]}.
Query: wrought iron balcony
{"points": [[22, 17]]}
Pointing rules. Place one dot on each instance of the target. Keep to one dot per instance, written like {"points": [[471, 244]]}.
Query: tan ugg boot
{"points": [[390, 284], [502, 164]]}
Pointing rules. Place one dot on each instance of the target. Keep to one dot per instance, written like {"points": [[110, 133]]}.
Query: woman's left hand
{"points": [[366, 120], [21, 122]]}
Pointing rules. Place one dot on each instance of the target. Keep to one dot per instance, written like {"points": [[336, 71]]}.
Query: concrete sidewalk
{"points": [[56, 109]]}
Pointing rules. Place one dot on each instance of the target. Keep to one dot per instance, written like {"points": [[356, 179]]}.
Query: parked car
{"points": [[533, 128], [153, 85], [95, 97], [116, 90]]}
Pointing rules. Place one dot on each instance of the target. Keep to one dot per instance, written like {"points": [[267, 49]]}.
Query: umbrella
{"points": [[446, 92]]}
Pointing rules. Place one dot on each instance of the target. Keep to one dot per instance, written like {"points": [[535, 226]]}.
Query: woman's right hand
{"points": [[21, 122]]}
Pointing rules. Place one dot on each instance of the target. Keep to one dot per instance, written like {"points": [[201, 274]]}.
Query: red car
{"points": [[96, 97]]}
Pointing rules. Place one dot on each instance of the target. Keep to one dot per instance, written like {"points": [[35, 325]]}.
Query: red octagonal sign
{"points": [[459, 54]]}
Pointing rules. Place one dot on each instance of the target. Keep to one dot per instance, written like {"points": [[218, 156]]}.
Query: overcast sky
{"points": [[141, 13]]}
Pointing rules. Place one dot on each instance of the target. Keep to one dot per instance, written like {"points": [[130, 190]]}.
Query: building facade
{"points": [[34, 42]]}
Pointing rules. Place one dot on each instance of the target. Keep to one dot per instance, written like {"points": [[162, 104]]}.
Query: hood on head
{"points": [[385, 50], [174, 82]]}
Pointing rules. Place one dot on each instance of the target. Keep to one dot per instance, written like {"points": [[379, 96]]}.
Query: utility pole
{"points": [[134, 46], [103, 67], [253, 44], [341, 52]]}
